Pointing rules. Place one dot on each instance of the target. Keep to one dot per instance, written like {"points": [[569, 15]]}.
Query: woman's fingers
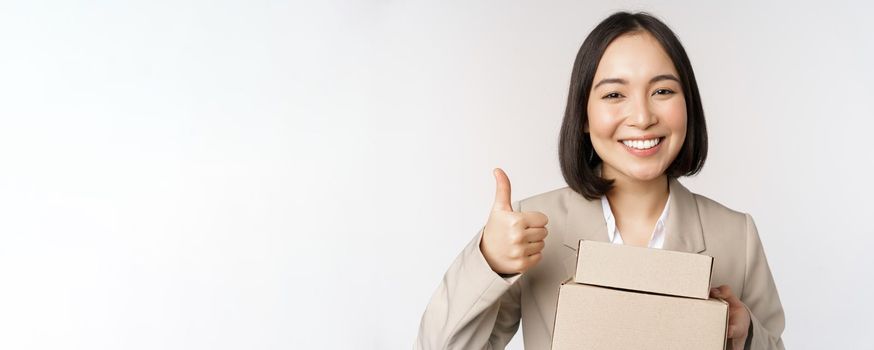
{"points": [[732, 331], [738, 316], [534, 247], [535, 218], [724, 292], [533, 259], [535, 234]]}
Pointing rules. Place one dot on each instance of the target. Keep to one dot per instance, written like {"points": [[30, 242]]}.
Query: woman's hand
{"points": [[512, 241], [738, 316]]}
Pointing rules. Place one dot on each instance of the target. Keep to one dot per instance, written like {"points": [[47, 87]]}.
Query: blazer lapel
{"points": [[683, 226], [585, 220]]}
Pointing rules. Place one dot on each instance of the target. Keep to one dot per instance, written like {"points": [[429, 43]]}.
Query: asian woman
{"points": [[633, 125]]}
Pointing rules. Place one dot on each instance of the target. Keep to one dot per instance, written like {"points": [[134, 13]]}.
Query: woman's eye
{"points": [[612, 95], [663, 92]]}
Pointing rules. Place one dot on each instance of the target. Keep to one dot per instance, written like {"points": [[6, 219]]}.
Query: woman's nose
{"points": [[641, 115]]}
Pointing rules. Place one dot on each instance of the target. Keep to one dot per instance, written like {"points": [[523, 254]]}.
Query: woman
{"points": [[633, 124]]}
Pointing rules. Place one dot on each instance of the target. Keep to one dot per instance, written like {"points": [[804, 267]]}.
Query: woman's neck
{"points": [[636, 199]]}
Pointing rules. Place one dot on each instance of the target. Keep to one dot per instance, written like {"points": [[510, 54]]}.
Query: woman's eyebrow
{"points": [[610, 81], [661, 77], [654, 79]]}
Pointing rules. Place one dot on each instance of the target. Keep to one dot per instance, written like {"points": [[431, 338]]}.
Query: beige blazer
{"points": [[475, 308]]}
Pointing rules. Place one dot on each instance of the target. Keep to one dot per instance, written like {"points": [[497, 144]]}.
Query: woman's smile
{"points": [[642, 147]]}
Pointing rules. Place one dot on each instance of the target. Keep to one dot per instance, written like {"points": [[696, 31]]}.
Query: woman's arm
{"points": [[477, 306], [760, 295], [473, 308]]}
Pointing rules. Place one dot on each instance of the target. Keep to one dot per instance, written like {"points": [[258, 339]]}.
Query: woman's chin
{"points": [[644, 174], [635, 171]]}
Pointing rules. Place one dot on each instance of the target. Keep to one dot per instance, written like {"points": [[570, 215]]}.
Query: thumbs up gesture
{"points": [[512, 242]]}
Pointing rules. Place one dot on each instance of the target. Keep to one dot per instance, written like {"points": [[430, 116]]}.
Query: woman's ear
{"points": [[586, 128]]}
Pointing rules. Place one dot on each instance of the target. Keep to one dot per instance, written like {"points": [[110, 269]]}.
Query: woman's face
{"points": [[636, 108]]}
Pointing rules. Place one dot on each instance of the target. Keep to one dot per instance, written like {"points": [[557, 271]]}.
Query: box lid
{"points": [[644, 269]]}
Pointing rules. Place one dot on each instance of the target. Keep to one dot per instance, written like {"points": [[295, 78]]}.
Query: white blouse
{"points": [[657, 240]]}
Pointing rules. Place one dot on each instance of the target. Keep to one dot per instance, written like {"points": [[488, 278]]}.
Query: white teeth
{"points": [[642, 144]]}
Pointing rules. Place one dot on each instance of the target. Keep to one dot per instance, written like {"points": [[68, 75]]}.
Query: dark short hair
{"points": [[577, 157]]}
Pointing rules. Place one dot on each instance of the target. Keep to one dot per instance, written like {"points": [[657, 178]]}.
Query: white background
{"points": [[265, 175]]}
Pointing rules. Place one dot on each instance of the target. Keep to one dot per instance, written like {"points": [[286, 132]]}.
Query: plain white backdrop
{"points": [[270, 175]]}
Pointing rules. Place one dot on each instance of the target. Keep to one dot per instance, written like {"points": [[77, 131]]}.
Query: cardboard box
{"points": [[644, 269], [618, 307], [591, 317]]}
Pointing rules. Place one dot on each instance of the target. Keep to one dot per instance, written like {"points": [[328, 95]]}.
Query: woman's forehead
{"points": [[634, 56]]}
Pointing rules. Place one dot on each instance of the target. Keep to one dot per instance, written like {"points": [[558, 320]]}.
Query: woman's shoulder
{"points": [[710, 205], [550, 199], [715, 213]]}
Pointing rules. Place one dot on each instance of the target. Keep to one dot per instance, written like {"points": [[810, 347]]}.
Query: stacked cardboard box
{"points": [[625, 297]]}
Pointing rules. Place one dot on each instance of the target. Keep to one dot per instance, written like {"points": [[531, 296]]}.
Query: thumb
{"points": [[502, 191]]}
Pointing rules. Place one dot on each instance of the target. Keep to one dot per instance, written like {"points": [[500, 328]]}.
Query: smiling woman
{"points": [[634, 123], [643, 77]]}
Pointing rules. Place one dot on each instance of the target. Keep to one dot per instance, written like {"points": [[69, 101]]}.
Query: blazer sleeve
{"points": [[474, 307], [760, 296]]}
